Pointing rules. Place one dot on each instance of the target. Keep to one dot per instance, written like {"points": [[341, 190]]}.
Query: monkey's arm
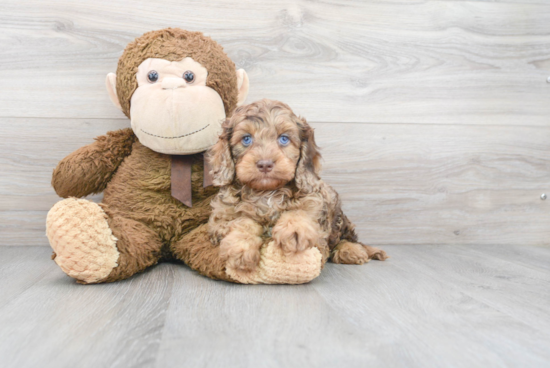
{"points": [[89, 169]]}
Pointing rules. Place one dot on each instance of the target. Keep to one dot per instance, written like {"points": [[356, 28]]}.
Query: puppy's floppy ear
{"points": [[220, 159], [309, 164]]}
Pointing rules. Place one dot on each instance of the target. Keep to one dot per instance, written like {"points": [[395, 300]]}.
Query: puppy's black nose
{"points": [[265, 166]]}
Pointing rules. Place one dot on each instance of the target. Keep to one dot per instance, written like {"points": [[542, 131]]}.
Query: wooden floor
{"points": [[427, 306]]}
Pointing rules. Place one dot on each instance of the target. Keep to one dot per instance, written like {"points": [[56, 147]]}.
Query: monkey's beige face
{"points": [[266, 151], [172, 110]]}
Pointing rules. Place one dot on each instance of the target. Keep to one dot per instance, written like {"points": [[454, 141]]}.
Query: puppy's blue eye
{"points": [[247, 140], [284, 140]]}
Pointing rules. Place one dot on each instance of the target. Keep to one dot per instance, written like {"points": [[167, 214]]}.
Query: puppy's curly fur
{"points": [[267, 165]]}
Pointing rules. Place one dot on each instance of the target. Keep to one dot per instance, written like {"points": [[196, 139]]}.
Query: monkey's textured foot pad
{"points": [[82, 241], [275, 267]]}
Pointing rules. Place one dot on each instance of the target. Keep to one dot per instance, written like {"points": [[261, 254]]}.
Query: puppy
{"points": [[267, 165]]}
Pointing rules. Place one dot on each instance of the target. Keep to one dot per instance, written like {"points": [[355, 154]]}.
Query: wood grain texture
{"points": [[31, 150], [434, 122], [433, 115], [441, 62], [400, 183], [432, 320], [21, 269], [424, 307], [533, 257], [56, 322], [249, 326], [480, 275], [405, 184]]}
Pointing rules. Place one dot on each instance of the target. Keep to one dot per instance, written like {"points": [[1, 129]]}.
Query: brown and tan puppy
{"points": [[267, 165]]}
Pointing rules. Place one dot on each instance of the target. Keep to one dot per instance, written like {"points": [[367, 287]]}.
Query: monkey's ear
{"points": [[242, 86], [110, 82], [220, 159]]}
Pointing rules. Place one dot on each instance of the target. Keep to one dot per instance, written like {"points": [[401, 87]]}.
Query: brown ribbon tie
{"points": [[180, 179]]}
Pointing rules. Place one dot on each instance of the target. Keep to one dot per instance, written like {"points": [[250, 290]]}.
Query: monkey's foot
{"points": [[276, 267], [83, 244]]}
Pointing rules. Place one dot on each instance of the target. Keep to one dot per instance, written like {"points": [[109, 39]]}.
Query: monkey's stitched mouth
{"points": [[180, 136]]}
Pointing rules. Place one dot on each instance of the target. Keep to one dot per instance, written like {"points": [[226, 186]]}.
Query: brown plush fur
{"points": [[290, 204], [147, 221], [174, 44], [196, 250], [89, 169]]}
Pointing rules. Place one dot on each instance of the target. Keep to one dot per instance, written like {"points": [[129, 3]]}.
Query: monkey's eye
{"points": [[153, 76], [247, 140], [189, 76], [284, 140]]}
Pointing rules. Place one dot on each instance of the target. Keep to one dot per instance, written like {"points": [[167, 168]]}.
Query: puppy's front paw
{"points": [[295, 232], [241, 251]]}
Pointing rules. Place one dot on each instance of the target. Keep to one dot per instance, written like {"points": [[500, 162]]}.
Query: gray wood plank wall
{"points": [[434, 116]]}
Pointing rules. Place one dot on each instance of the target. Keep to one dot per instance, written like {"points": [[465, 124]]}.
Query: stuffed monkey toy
{"points": [[177, 87]]}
